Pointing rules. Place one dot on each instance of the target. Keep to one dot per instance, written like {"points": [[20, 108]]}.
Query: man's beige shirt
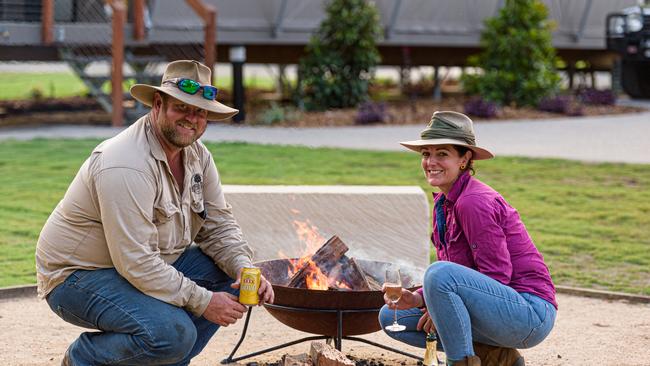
{"points": [[124, 210]]}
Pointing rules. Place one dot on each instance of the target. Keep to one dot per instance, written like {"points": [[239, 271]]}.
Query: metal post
{"points": [[117, 49], [437, 93], [339, 330], [616, 74], [237, 58]]}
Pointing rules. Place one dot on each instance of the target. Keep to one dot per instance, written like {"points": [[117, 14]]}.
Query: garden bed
{"points": [[84, 111]]}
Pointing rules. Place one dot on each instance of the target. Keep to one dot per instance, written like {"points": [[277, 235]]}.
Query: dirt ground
{"points": [[588, 332]]}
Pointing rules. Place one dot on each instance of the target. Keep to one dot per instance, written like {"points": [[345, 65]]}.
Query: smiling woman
{"points": [[442, 164], [490, 290]]}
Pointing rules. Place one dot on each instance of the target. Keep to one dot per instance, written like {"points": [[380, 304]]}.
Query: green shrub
{"points": [[340, 57], [36, 93], [517, 62], [277, 113]]}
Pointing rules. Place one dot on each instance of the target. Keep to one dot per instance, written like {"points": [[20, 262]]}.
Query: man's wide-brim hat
{"points": [[187, 69], [449, 128]]}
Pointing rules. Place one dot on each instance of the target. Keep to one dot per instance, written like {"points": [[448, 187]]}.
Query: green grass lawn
{"points": [[23, 85], [589, 220], [17, 86]]}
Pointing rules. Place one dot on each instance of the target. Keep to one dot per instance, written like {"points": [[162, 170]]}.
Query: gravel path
{"points": [[588, 332]]}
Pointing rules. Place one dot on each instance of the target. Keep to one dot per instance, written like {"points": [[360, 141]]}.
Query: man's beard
{"points": [[168, 130]]}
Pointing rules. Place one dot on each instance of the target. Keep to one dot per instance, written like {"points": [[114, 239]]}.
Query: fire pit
{"points": [[331, 314], [314, 311]]}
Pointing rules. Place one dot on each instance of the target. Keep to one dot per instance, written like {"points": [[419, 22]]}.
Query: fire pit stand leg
{"points": [[339, 330], [230, 359], [338, 340]]}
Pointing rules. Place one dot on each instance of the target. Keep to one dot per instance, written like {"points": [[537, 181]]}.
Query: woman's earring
{"points": [[462, 167]]}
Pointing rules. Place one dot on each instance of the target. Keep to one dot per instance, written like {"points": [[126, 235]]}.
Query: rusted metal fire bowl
{"points": [[315, 311]]}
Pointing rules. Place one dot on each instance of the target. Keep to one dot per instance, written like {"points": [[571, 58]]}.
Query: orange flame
{"points": [[315, 279], [309, 235]]}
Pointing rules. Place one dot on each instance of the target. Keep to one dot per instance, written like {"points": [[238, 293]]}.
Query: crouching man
{"points": [[143, 247]]}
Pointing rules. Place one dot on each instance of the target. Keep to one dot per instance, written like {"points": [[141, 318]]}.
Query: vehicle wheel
{"points": [[635, 78]]}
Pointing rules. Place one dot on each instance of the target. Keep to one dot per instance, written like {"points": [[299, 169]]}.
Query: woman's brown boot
{"points": [[468, 361], [498, 356]]}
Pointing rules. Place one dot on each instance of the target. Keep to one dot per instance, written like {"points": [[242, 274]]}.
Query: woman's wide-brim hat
{"points": [[449, 128], [188, 69]]}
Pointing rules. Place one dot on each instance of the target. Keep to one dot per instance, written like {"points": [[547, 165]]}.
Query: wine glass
{"points": [[393, 289]]}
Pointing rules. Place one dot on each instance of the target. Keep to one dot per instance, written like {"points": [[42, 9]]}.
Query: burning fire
{"points": [[309, 235], [315, 278]]}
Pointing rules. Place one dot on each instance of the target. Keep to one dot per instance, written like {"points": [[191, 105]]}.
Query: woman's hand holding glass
{"points": [[397, 297], [393, 292], [409, 299]]}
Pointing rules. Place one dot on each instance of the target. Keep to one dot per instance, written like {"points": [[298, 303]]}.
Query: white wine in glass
{"points": [[393, 289]]}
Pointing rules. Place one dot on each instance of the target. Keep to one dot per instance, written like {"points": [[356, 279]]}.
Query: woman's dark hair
{"points": [[470, 163]]}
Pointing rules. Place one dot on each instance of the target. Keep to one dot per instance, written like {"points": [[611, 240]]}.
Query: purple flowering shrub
{"points": [[480, 107], [594, 96], [371, 112], [555, 104], [562, 104]]}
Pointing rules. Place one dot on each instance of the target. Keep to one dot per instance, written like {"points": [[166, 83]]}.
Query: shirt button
{"points": [[474, 246]]}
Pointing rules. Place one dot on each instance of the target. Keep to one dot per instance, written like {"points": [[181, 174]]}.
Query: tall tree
{"points": [[518, 57], [340, 56]]}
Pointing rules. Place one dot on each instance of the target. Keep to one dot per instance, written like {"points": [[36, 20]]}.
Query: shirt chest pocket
{"points": [[457, 245], [454, 232], [168, 221]]}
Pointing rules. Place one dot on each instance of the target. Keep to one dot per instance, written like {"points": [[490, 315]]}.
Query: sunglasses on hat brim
{"points": [[192, 87]]}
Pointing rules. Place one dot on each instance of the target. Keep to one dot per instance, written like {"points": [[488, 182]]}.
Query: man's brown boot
{"points": [[66, 359], [498, 356], [468, 361]]}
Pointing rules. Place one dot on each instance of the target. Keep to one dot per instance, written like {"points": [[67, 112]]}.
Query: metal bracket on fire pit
{"points": [[337, 340]]}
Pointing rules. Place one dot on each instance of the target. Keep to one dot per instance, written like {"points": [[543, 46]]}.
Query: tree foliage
{"points": [[518, 57], [340, 57]]}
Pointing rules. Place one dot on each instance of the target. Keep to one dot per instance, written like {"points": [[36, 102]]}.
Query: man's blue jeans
{"points": [[466, 305], [135, 329]]}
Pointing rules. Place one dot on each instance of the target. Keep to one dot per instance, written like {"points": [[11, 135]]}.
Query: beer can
{"points": [[249, 285]]}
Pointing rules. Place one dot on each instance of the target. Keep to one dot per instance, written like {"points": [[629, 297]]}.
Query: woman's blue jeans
{"points": [[467, 306], [135, 329]]}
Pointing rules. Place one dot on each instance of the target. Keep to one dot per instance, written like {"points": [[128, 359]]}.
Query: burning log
{"points": [[372, 283], [353, 274], [324, 259], [330, 268]]}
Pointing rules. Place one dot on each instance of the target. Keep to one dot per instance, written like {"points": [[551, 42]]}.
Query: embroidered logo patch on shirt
{"points": [[197, 184]]}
